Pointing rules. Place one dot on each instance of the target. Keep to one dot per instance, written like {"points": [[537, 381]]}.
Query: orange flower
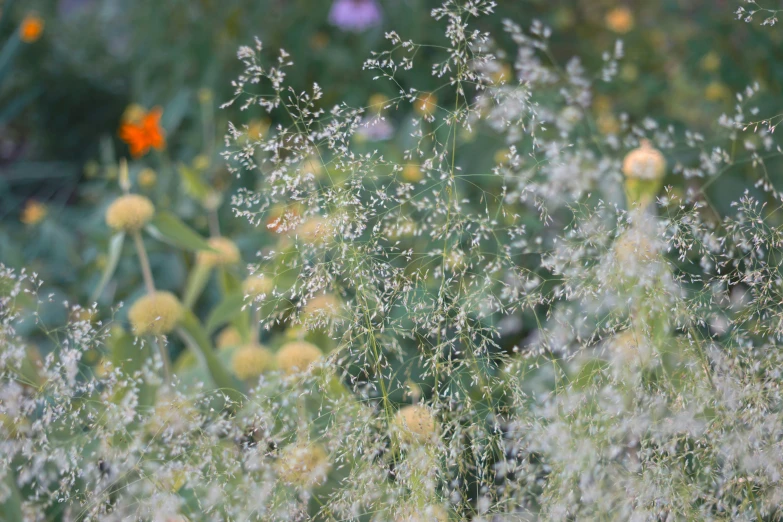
{"points": [[143, 134], [31, 28], [620, 20]]}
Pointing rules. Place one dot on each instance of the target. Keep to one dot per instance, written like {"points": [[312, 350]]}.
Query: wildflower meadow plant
{"points": [[373, 361]]}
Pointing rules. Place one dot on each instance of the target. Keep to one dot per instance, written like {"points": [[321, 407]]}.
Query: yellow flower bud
{"points": [[620, 20], [633, 246], [251, 360], [422, 514], [412, 173], [644, 169], [33, 213], [157, 313], [297, 356], [377, 102], [322, 306], [226, 253], [129, 213], [256, 285], [315, 230], [426, 104], [415, 424], [147, 178], [303, 465], [228, 337]]}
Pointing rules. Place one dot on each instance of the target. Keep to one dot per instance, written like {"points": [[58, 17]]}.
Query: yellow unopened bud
{"points": [[226, 253], [303, 465], [257, 285], [377, 102], [228, 337], [632, 247], [322, 306], [147, 178], [156, 313], [129, 213], [422, 514], [620, 20], [297, 356], [251, 360], [426, 104], [315, 230], [412, 173], [644, 169], [33, 212], [415, 424]]}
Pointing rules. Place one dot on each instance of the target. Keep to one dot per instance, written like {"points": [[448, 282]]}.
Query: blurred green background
{"points": [[65, 86]]}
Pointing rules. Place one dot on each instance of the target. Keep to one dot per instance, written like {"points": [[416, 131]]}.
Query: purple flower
{"points": [[355, 15]]}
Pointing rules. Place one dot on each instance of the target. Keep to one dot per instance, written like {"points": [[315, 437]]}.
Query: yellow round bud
{"points": [[324, 305], [377, 102], [129, 212], [147, 178], [228, 337], [629, 349], [157, 313], [303, 465], [315, 230], [426, 104], [415, 424], [256, 285], [297, 356], [645, 162], [226, 253], [312, 165], [422, 514], [412, 173], [633, 246], [251, 360]]}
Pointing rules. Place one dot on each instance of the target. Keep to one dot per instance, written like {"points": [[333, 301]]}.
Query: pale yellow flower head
{"points": [[33, 212], [422, 514], [157, 313], [315, 230], [256, 285], [426, 104], [228, 337], [129, 213], [412, 173], [415, 424], [620, 20], [645, 162], [226, 253], [251, 360], [324, 305], [147, 178], [297, 356], [303, 465], [634, 246]]}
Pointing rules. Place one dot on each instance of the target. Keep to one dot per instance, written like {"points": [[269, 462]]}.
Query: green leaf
{"points": [[197, 280], [192, 183], [229, 307], [130, 357], [168, 228], [196, 338], [115, 249], [8, 53], [11, 507]]}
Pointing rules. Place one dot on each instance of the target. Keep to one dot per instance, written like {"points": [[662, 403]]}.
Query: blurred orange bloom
{"points": [[31, 28], [33, 212], [143, 134], [620, 20]]}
